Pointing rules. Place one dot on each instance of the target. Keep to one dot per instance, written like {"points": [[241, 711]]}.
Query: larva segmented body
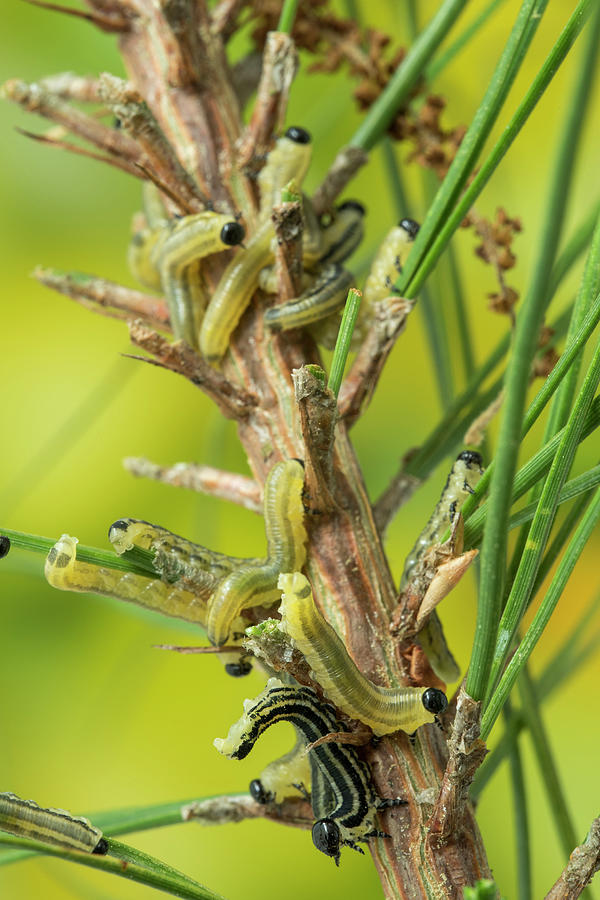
{"points": [[344, 234], [326, 294], [256, 584], [462, 480], [64, 571], [165, 257], [288, 160], [385, 710], [463, 477], [343, 799], [51, 826], [175, 556]]}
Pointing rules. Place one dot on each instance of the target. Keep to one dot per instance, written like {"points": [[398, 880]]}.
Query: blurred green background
{"points": [[93, 717]]}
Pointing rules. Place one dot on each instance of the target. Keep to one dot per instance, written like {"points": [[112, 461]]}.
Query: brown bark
{"points": [[195, 108]]}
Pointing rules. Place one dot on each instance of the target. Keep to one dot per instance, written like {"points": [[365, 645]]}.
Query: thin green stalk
{"points": [[124, 821], [418, 270], [493, 549], [127, 863], [546, 764], [288, 16], [464, 162], [576, 245], [521, 831], [538, 403], [441, 61], [344, 339], [542, 616], [397, 92], [562, 536], [394, 179], [439, 349], [465, 339], [566, 661], [542, 521], [590, 283], [140, 562], [576, 487], [534, 469]]}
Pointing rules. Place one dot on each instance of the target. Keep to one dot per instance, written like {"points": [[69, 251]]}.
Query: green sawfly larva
{"points": [[240, 279], [344, 233], [50, 826], [335, 243], [343, 799], [280, 779], [385, 268], [389, 260], [175, 557], [64, 571], [165, 256], [255, 582], [385, 710], [288, 160], [462, 480], [234, 291], [326, 295], [463, 477]]}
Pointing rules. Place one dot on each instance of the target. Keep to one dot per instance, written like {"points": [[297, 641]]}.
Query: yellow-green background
{"points": [[91, 716]]}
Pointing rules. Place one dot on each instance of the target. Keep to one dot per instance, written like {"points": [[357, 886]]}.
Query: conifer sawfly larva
{"points": [[50, 826], [385, 710]]}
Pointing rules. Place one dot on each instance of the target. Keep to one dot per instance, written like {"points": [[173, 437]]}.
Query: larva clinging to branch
{"points": [[64, 571], [343, 799], [383, 709], [164, 257], [255, 583], [289, 159], [50, 826], [325, 295]]}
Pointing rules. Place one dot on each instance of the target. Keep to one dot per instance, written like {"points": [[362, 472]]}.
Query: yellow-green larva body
{"points": [[50, 826], [462, 480], [281, 777], [288, 160], [325, 295], [174, 556], [345, 232], [255, 584], [234, 291], [388, 262], [64, 571], [385, 710], [165, 257]]}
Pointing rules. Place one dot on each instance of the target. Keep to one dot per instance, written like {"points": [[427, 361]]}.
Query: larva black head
{"points": [[101, 847], [298, 135], [232, 234], [326, 838], [238, 669], [119, 525], [410, 226], [257, 791], [434, 701], [4, 545], [353, 204], [471, 458]]}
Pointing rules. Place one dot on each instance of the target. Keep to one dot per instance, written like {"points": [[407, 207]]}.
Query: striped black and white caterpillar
{"points": [[50, 826], [343, 799]]}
